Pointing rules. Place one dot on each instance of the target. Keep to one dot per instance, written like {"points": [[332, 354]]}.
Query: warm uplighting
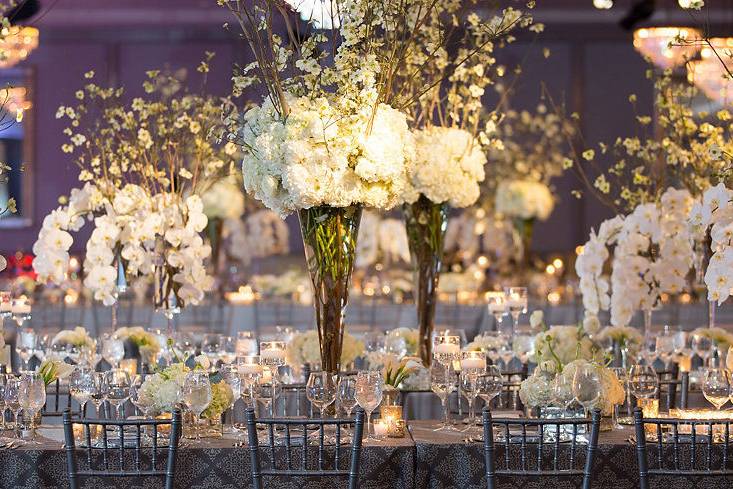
{"points": [[603, 4], [708, 73], [17, 44], [685, 298], [661, 45], [558, 263]]}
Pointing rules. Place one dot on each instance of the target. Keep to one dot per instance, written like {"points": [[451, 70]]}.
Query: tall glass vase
{"points": [[165, 293], [525, 230], [426, 223], [329, 238]]}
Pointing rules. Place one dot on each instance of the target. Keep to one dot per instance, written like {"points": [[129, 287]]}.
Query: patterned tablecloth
{"points": [[423, 459]]}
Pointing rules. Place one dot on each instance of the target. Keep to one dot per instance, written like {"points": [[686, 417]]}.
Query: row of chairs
{"points": [[531, 448]]}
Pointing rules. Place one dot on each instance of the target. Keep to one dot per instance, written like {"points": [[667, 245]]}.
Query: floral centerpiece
{"points": [[304, 347], [161, 392], [53, 370], [628, 340], [722, 340], [559, 351], [77, 337], [144, 166], [146, 343]]}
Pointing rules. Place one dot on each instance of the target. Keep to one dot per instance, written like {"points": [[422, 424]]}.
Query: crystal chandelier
{"points": [[16, 43], [656, 43], [710, 75]]}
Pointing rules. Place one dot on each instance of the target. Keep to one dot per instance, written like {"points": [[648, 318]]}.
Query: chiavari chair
{"points": [[301, 448], [116, 449], [671, 388], [529, 451], [688, 449]]}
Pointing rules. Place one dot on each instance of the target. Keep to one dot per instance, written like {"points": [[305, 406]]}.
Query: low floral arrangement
{"points": [[396, 371], [624, 336], [721, 338], [53, 370], [486, 343], [147, 343], [161, 392], [560, 350], [78, 337], [284, 285], [224, 200], [304, 347]]}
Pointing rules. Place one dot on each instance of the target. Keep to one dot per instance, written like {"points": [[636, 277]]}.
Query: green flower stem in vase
{"points": [[426, 223], [525, 230], [329, 238], [165, 295], [215, 230]]}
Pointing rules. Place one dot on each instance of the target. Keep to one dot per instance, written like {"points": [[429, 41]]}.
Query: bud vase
{"points": [[426, 223], [329, 238]]}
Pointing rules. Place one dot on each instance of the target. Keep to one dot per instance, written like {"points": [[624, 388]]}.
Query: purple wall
{"points": [[593, 67]]}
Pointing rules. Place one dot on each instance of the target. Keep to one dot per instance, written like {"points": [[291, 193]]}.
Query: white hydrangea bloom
{"points": [[524, 199]]}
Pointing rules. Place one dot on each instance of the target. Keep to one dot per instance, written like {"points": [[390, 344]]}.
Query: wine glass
{"points": [[227, 350], [369, 385], [246, 344], [473, 363], [702, 346], [442, 384], [183, 345], [586, 386], [497, 306], [643, 381], [321, 390], [211, 347], [490, 384], [31, 397], [516, 299], [197, 395], [716, 387], [11, 396], [113, 350], [665, 346], [623, 377], [135, 390], [98, 397], [82, 386], [347, 393], [268, 390], [230, 375], [116, 389], [26, 346], [562, 391]]}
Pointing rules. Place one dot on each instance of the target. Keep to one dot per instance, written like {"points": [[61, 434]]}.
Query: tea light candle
{"points": [[447, 348], [473, 364], [380, 428], [391, 413], [249, 369], [266, 377], [650, 409], [246, 346]]}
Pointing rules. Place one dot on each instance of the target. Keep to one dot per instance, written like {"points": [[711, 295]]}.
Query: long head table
{"points": [[423, 459]]}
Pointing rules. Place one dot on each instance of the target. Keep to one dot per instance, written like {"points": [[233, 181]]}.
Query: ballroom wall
{"points": [[593, 67]]}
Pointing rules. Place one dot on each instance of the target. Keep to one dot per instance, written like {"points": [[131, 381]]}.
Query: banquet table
{"points": [[423, 459]]}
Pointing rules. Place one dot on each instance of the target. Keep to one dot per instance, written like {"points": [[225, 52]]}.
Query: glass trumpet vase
{"points": [[426, 223], [329, 238]]}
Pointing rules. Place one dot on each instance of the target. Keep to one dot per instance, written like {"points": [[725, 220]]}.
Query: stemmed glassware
{"points": [[497, 306], [230, 375], [268, 390], [369, 386], [31, 398], [21, 310], [586, 386], [183, 345], [321, 390], [272, 354], [473, 363], [665, 346], [562, 391], [347, 393], [702, 346], [643, 381], [113, 350], [489, 384], [246, 344], [3, 383], [516, 299], [82, 386], [623, 377], [98, 397], [12, 397], [442, 384], [250, 371], [197, 395], [116, 389], [717, 387], [26, 346], [211, 347], [227, 350]]}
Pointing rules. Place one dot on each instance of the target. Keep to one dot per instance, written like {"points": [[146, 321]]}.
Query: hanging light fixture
{"points": [[658, 44], [709, 73], [16, 43]]}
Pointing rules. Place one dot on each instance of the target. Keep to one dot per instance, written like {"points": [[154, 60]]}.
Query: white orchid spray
{"points": [[143, 167]]}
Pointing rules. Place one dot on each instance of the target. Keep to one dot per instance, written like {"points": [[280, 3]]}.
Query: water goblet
{"points": [[562, 391], [321, 390], [197, 395], [26, 346], [116, 389], [516, 298], [490, 384], [717, 387], [82, 386], [211, 346], [98, 397], [10, 396], [31, 398], [497, 306], [643, 381], [347, 393], [586, 386], [227, 350], [442, 384], [113, 350], [369, 387]]}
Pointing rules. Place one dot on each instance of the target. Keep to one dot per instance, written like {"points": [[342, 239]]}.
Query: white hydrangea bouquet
{"points": [[144, 166], [652, 255], [304, 347], [331, 137], [450, 136], [77, 337], [147, 343]]}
